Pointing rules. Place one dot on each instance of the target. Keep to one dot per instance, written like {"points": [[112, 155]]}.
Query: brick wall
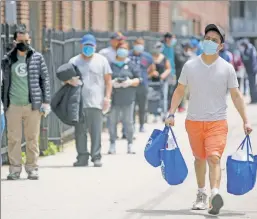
{"points": [[58, 15]]}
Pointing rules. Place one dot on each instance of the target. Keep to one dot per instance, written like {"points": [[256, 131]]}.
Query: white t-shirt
{"points": [[109, 53], [93, 72], [208, 86]]}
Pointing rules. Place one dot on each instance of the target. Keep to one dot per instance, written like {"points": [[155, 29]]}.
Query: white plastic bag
{"points": [[171, 143], [241, 155]]}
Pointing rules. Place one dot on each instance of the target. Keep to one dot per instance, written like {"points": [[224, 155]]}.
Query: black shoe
{"points": [[13, 176], [33, 175], [98, 163], [123, 136], [80, 164]]}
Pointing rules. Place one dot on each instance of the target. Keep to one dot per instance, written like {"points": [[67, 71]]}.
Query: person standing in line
{"points": [[25, 95], [249, 56], [169, 44], [125, 79], [110, 54], [206, 122], [96, 94], [161, 73], [144, 61]]}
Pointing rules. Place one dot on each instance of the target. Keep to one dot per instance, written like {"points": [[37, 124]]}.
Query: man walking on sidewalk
{"points": [[96, 94], [25, 94], [208, 77]]}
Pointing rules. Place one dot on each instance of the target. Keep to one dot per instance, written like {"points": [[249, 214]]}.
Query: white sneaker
{"points": [[201, 202], [131, 149]]}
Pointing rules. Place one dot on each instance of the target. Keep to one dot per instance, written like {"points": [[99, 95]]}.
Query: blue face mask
{"points": [[210, 47], [122, 53], [173, 42], [139, 48], [88, 50]]}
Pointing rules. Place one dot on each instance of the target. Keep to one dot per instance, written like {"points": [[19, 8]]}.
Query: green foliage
{"points": [[23, 157], [51, 150]]}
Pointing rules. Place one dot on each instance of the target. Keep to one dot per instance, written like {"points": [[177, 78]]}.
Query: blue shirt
{"points": [[224, 55], [142, 61], [169, 53]]}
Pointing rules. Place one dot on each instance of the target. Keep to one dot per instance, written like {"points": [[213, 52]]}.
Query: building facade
{"points": [[191, 17], [243, 17]]}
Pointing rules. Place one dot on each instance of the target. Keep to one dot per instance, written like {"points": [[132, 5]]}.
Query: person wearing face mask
{"points": [[206, 122], [125, 79], [110, 52], [25, 95], [144, 61], [96, 76]]}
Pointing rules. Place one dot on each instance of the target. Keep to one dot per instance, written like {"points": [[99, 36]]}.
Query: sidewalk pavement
{"points": [[126, 187]]}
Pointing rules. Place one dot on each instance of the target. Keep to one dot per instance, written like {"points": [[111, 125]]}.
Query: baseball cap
{"points": [[118, 36], [219, 30], [88, 39]]}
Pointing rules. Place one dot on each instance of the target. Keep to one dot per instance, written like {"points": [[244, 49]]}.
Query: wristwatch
{"points": [[171, 115]]}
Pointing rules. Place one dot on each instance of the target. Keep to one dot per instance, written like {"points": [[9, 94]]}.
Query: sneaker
{"points": [[112, 149], [13, 176], [80, 163], [201, 202], [131, 149], [141, 129], [98, 163], [33, 175], [216, 203]]}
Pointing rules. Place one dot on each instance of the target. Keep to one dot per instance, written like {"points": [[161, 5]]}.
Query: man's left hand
{"points": [[126, 83], [107, 104], [247, 128]]}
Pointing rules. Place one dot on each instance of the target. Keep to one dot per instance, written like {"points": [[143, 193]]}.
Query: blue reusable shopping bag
{"points": [[156, 142], [241, 175], [173, 166]]}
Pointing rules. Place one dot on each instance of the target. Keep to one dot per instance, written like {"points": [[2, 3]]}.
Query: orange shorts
{"points": [[207, 138]]}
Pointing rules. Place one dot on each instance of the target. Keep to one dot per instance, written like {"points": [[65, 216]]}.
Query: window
{"points": [[242, 9], [83, 14], [123, 16], [134, 16], [57, 15], [154, 16], [111, 15], [90, 21]]}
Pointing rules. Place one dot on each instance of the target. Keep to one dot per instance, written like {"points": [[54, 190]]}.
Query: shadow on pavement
{"points": [[61, 166], [186, 212]]}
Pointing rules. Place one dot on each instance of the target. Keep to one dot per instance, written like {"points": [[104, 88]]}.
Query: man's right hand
{"points": [[170, 120], [155, 74], [75, 81]]}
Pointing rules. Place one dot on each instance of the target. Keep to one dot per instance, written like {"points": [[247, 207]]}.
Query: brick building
{"points": [[201, 13], [96, 15]]}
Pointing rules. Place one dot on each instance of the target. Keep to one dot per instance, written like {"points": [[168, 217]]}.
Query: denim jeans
{"points": [[127, 118]]}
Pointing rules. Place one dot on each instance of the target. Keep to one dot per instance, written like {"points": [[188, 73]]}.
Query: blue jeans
{"points": [[127, 119]]}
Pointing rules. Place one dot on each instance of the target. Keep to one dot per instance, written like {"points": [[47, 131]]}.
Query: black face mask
{"points": [[22, 47]]}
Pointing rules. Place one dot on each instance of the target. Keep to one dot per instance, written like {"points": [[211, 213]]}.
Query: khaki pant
{"points": [[15, 115]]}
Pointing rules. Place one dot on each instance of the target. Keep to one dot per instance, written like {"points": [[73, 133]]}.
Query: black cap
{"points": [[219, 30], [167, 35]]}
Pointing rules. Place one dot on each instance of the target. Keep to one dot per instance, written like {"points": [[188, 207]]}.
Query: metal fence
{"points": [[58, 47]]}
